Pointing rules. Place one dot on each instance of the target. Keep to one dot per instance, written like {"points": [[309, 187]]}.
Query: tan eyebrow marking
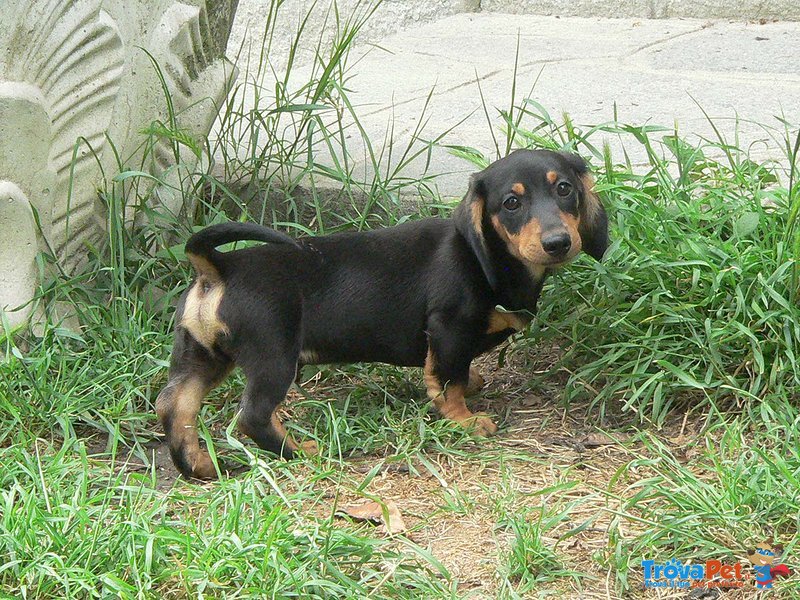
{"points": [[518, 189], [552, 176]]}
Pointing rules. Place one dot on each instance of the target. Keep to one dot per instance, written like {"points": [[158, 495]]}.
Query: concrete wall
{"points": [[73, 77]]}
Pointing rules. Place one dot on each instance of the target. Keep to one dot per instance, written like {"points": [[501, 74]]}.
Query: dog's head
{"points": [[539, 205]]}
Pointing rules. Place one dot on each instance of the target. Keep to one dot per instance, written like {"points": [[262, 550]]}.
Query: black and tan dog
{"points": [[423, 294]]}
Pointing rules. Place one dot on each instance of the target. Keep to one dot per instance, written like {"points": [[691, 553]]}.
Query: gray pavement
{"points": [[650, 71], [651, 9]]}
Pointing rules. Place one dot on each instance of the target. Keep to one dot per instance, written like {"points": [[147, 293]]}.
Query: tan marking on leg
{"points": [[200, 313], [431, 381], [277, 425], [450, 403], [518, 189], [500, 321], [552, 177], [178, 405], [476, 382], [308, 447]]}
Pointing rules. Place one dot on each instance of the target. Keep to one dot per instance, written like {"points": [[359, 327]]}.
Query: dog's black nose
{"points": [[557, 244]]}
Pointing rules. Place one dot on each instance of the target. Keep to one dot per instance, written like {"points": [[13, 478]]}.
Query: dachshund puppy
{"points": [[422, 294]]}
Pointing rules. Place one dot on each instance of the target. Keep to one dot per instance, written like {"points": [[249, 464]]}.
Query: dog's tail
{"points": [[201, 247]]}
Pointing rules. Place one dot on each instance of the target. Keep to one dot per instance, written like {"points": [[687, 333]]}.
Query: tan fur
{"points": [[204, 267], [518, 189], [309, 447], [431, 381], [477, 216], [571, 224], [179, 404], [309, 357], [526, 245], [476, 382], [500, 321], [200, 314], [591, 202], [552, 177], [450, 402]]}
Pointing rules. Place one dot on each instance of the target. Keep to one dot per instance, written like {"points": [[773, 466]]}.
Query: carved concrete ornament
{"points": [[75, 86]]}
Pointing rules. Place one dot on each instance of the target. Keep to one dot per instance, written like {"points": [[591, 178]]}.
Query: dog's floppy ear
{"points": [[468, 218], [593, 227]]}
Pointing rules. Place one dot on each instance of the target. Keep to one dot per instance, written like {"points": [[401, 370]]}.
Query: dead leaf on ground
{"points": [[593, 440], [532, 400], [374, 513], [576, 545]]}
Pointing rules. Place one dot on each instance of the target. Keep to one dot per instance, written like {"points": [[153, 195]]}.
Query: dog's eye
{"points": [[511, 203], [564, 189]]}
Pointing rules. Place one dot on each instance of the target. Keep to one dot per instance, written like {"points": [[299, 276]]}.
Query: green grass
{"points": [[692, 320], [531, 561], [72, 527]]}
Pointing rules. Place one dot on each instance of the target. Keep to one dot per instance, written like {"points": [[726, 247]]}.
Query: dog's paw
{"points": [[202, 466], [476, 382], [479, 424], [309, 448]]}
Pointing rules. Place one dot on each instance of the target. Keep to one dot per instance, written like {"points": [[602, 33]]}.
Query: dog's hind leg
{"points": [[194, 371], [267, 384]]}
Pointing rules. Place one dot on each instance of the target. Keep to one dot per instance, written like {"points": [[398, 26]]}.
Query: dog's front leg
{"points": [[447, 379]]}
